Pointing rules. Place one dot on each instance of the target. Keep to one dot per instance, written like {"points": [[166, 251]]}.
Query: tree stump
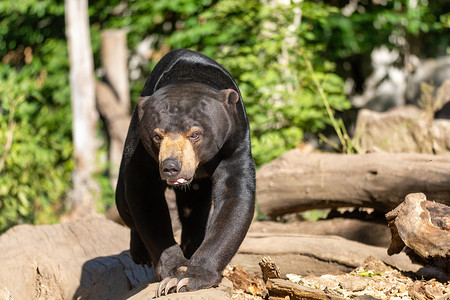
{"points": [[424, 227]]}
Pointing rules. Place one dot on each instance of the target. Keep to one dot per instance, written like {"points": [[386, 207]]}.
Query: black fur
{"points": [[186, 89]]}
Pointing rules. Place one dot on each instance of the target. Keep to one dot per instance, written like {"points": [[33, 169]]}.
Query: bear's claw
{"points": [[171, 284], [168, 283], [162, 286], [182, 283]]}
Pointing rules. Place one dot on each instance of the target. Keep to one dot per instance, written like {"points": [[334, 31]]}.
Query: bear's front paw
{"points": [[194, 278], [172, 263], [200, 278]]}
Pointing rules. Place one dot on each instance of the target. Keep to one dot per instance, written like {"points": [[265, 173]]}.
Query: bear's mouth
{"points": [[178, 182]]}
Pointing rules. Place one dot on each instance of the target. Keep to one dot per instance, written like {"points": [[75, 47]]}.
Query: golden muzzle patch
{"points": [[177, 159]]}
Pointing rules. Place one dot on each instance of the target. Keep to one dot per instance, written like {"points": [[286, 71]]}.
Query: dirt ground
{"points": [[372, 280]]}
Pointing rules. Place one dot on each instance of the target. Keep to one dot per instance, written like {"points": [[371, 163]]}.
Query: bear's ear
{"points": [[229, 96], [141, 104]]}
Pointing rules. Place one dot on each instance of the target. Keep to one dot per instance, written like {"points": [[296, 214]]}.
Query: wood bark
{"points": [[280, 288], [269, 268], [82, 87], [250, 284], [301, 181]]}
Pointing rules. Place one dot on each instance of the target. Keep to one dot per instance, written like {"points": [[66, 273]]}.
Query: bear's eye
{"points": [[194, 136], [157, 138]]}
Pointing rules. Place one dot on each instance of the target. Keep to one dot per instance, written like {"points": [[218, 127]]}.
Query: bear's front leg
{"points": [[233, 198], [138, 252], [152, 240], [151, 229]]}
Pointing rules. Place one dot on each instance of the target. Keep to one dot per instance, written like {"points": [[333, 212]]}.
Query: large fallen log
{"points": [[375, 234], [85, 259], [145, 292], [299, 181], [312, 255]]}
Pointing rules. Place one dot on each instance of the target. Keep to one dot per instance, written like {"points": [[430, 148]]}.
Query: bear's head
{"points": [[185, 125]]}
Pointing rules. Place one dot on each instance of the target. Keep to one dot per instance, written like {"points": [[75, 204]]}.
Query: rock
{"points": [[353, 284], [375, 265], [84, 259]]}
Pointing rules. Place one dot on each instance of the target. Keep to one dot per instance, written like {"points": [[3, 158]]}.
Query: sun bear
{"points": [[189, 131]]}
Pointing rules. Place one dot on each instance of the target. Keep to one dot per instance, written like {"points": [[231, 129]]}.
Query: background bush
{"points": [[264, 45]]}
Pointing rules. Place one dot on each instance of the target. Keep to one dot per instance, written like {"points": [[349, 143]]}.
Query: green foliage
{"points": [[35, 112], [348, 145], [35, 153], [368, 273], [267, 47], [394, 24], [314, 214], [278, 90]]}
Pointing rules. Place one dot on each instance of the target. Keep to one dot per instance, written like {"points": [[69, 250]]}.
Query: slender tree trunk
{"points": [[84, 113], [114, 60], [113, 97]]}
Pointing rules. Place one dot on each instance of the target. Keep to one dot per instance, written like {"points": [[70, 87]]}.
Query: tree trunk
{"points": [[299, 181], [84, 113], [113, 97], [114, 60]]}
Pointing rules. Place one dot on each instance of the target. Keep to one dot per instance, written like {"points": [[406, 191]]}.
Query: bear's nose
{"points": [[171, 167]]}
